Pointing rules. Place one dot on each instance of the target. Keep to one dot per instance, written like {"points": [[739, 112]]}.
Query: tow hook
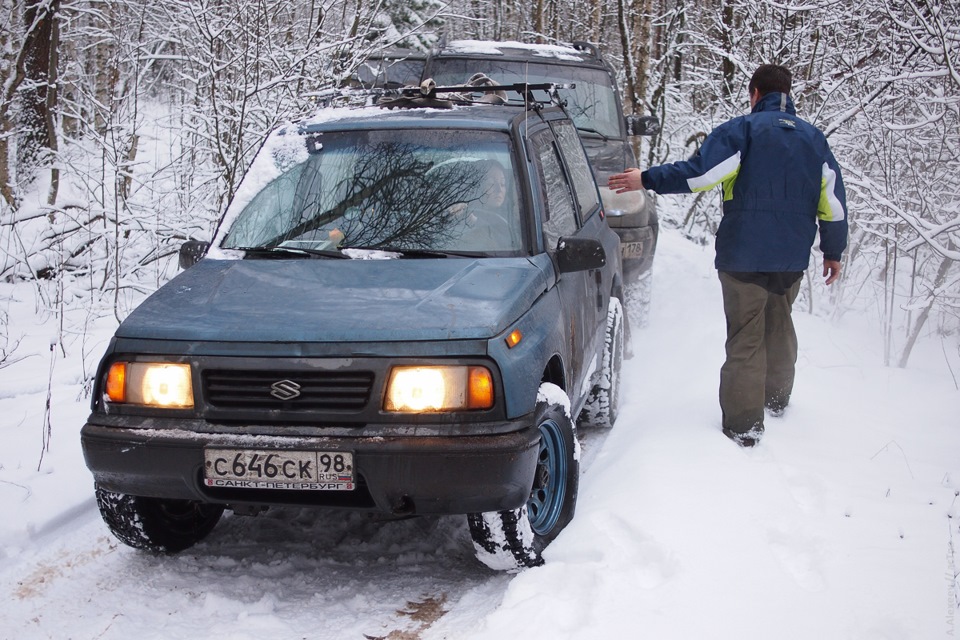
{"points": [[403, 506]]}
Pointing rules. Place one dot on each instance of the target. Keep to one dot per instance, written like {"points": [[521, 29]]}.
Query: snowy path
{"points": [[292, 574], [842, 524]]}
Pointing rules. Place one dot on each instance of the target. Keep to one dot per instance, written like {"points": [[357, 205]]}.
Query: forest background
{"points": [[127, 125]]}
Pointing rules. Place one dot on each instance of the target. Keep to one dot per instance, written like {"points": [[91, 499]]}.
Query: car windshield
{"points": [[592, 104], [401, 190]]}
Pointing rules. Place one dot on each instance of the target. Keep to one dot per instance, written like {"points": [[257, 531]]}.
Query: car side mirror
{"points": [[580, 254], [642, 125], [191, 251]]}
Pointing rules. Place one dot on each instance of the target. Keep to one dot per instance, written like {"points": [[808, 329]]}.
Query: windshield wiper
{"points": [[416, 253], [605, 137], [299, 252]]}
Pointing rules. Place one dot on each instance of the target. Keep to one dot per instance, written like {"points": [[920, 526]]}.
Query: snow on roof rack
{"points": [[428, 94]]}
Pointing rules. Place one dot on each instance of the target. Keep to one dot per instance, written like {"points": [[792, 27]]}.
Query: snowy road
{"points": [[288, 574], [842, 524]]}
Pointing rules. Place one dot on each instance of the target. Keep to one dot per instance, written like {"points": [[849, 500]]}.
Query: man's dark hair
{"points": [[771, 78]]}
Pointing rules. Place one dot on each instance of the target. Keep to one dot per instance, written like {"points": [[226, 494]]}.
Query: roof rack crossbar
{"points": [[429, 94], [429, 89]]}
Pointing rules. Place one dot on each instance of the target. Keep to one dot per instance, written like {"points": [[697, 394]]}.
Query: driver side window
{"points": [[559, 218]]}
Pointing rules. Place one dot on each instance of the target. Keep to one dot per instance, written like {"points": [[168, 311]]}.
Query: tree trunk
{"points": [[538, 20], [678, 56], [53, 103], [629, 63], [641, 42], [38, 96], [726, 37], [922, 318], [597, 19]]}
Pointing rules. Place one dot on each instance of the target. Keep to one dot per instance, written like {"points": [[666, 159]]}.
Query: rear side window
{"points": [[559, 218], [580, 173]]}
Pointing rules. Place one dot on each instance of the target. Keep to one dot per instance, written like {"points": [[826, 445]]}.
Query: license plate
{"points": [[279, 469], [631, 249]]}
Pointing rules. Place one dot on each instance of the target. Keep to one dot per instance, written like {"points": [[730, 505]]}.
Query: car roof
{"points": [[397, 67], [482, 116], [579, 53]]}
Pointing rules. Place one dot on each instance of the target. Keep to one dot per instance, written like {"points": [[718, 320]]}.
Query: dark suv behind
{"points": [[590, 90]]}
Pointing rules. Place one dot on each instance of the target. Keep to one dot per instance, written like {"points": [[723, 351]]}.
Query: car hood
{"points": [[324, 300]]}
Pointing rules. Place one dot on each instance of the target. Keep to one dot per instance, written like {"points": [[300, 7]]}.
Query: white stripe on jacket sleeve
{"points": [[716, 175]]}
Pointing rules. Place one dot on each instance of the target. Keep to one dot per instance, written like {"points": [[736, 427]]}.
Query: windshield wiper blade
{"points": [[605, 137], [299, 252], [415, 253]]}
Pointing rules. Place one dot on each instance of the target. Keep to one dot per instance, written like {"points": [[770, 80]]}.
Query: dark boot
{"points": [[746, 439]]}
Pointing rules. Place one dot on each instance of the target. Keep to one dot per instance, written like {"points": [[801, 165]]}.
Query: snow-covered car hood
{"points": [[329, 300]]}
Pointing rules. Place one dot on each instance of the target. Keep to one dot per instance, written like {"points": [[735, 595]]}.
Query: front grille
{"points": [[335, 391]]}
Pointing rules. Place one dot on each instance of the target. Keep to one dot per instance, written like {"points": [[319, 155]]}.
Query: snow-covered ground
{"points": [[841, 524]]}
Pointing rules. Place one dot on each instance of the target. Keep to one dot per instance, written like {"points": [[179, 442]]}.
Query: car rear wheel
{"points": [[155, 524], [516, 538], [638, 296], [603, 402]]}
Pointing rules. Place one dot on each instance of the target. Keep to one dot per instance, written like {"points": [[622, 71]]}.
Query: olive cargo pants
{"points": [[761, 346]]}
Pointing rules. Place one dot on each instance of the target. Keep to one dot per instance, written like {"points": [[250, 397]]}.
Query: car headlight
{"points": [[155, 384], [418, 389]]}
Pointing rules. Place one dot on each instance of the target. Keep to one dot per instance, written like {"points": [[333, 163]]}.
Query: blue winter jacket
{"points": [[779, 180]]}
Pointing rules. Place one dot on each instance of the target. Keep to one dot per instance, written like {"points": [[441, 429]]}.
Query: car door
{"points": [[559, 219], [591, 225]]}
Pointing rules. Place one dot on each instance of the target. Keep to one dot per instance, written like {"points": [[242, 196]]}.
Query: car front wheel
{"points": [[155, 524], [516, 538]]}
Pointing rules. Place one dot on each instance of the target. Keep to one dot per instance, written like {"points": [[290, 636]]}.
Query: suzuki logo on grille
{"points": [[285, 390]]}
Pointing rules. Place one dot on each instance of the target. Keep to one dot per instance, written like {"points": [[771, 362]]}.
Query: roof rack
{"points": [[428, 94]]}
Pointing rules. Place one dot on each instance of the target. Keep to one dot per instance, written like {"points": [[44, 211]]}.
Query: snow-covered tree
{"points": [[131, 131], [411, 24], [881, 81]]}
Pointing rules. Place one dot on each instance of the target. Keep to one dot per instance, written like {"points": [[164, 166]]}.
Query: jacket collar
{"points": [[775, 102]]}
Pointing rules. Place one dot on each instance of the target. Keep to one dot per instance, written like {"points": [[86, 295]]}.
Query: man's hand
{"points": [[831, 270], [629, 180]]}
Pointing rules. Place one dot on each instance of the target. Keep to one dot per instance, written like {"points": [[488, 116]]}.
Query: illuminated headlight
{"points": [[425, 389], [155, 384]]}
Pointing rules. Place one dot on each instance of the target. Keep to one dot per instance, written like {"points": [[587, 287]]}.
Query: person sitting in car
{"points": [[490, 217]]}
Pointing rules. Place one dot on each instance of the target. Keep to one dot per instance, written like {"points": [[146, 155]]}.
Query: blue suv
{"points": [[406, 310]]}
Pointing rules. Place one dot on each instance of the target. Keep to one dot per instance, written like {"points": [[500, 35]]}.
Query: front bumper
{"points": [[403, 475]]}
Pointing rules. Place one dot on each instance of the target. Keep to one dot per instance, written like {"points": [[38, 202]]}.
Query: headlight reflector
{"points": [[155, 384], [418, 389]]}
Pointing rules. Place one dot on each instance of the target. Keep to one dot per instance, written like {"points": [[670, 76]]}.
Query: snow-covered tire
{"points": [[515, 539], [154, 524], [603, 401], [637, 295]]}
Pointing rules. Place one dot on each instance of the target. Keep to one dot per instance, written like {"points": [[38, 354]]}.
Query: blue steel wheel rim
{"points": [[546, 501]]}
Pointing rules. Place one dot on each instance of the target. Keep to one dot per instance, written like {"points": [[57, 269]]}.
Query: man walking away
{"points": [[780, 182]]}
